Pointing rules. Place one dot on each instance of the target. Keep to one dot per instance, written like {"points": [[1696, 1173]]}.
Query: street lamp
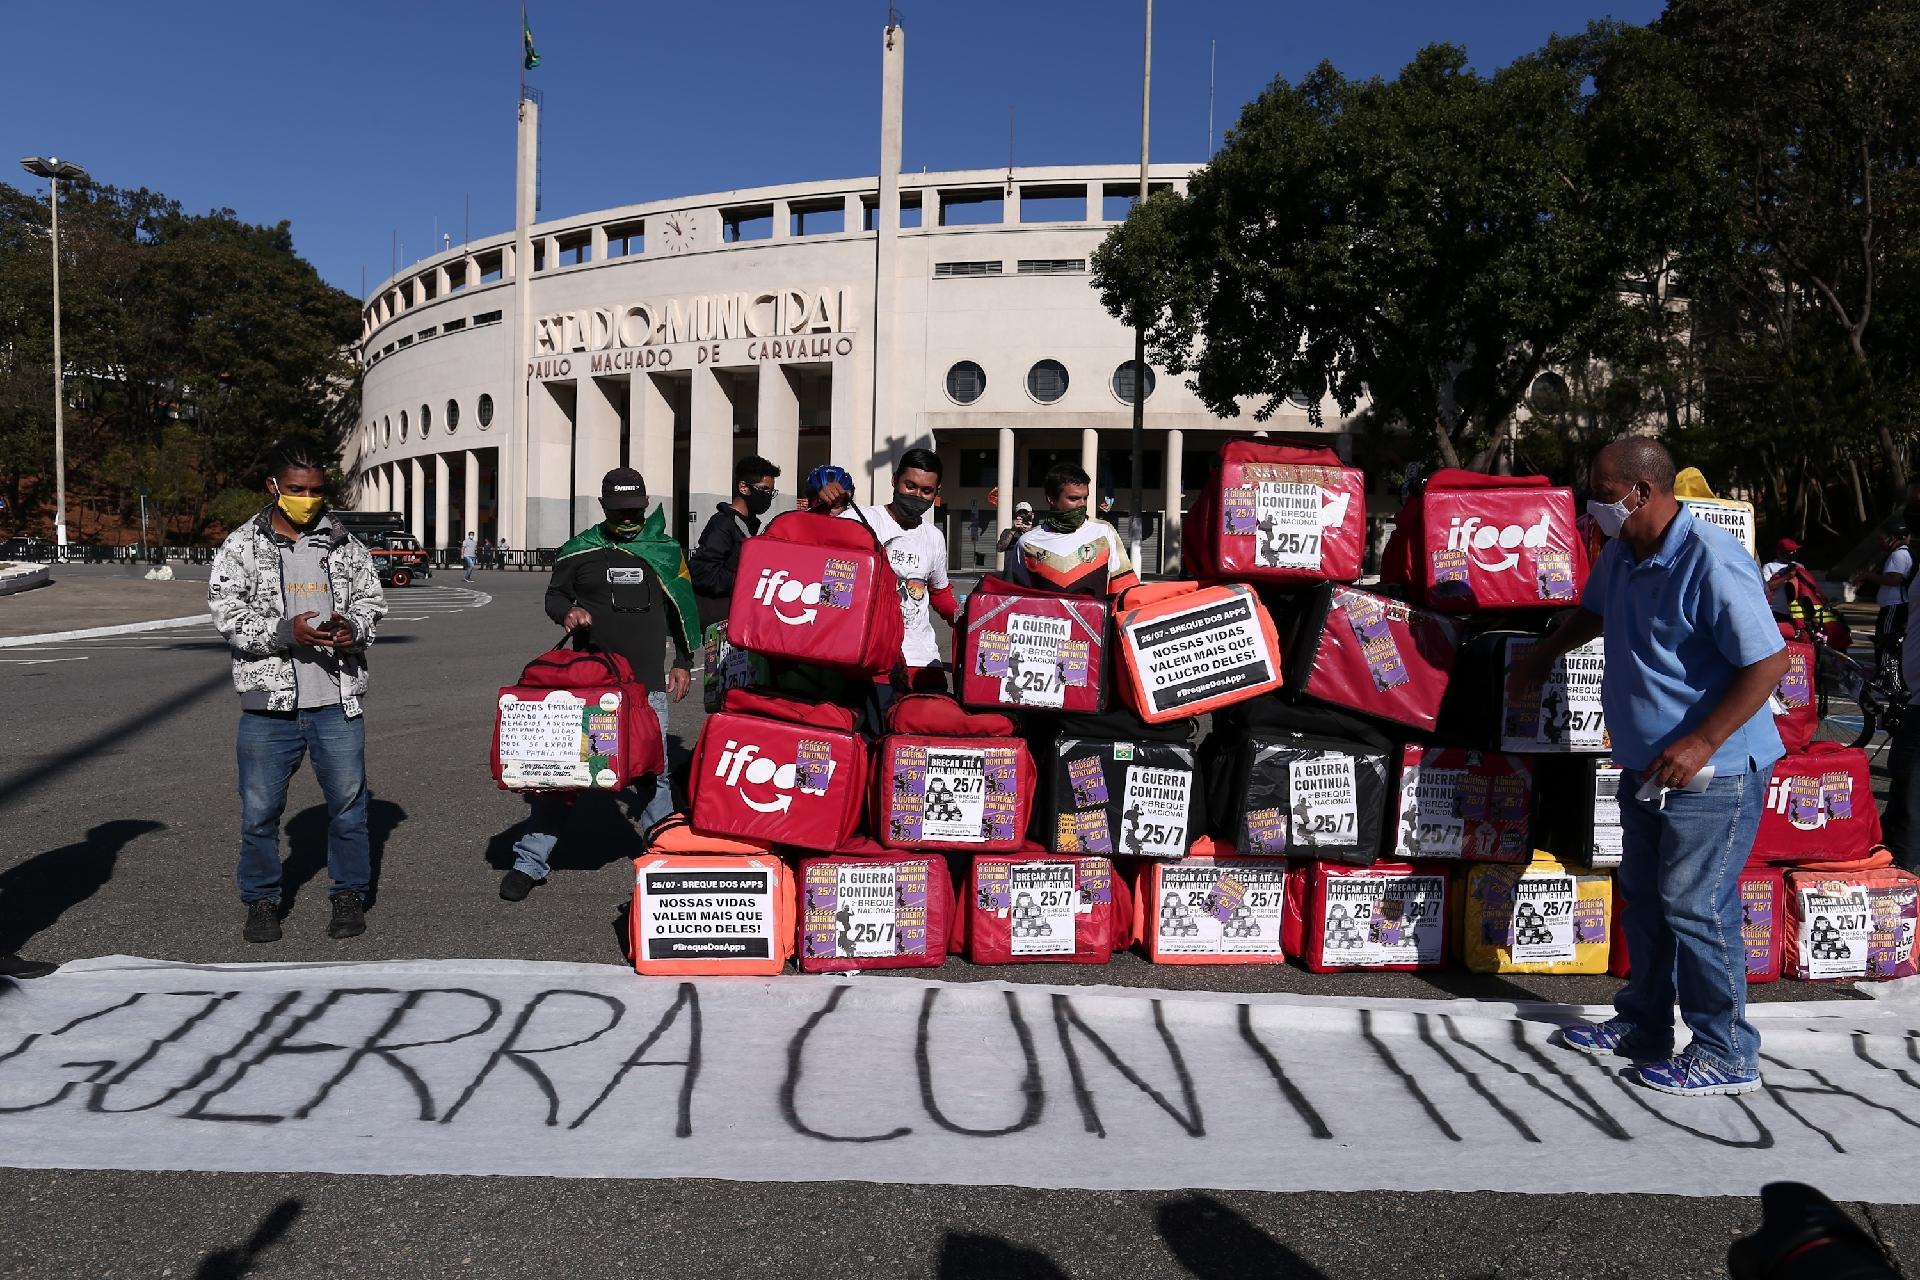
{"points": [[52, 168]]}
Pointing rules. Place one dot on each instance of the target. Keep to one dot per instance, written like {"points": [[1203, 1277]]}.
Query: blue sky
{"points": [[358, 120]]}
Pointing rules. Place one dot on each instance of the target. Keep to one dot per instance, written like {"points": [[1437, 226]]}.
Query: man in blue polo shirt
{"points": [[1693, 653]]}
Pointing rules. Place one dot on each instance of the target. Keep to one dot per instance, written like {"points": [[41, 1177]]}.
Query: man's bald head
{"points": [[1634, 460]]}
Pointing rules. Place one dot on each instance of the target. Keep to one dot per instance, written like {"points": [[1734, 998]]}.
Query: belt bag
{"points": [[1033, 650], [702, 915], [889, 911], [819, 590], [1544, 917], [1853, 921], [778, 770], [1468, 543], [1819, 807], [1763, 928], [1273, 512], [1212, 911], [577, 721], [1463, 806], [1393, 915], [1373, 655], [1043, 908], [1187, 649], [967, 788]]}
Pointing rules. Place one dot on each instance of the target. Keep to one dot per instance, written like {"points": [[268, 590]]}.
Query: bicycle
{"points": [[1877, 694]]}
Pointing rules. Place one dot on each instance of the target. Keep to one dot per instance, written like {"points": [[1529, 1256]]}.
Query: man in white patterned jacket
{"points": [[297, 599]]}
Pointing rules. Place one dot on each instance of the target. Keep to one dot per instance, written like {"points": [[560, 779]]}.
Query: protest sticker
{"points": [[1609, 841], [1370, 616], [1324, 800], [1287, 521], [707, 913], [1200, 652], [1088, 779], [1430, 822], [956, 794], [866, 910], [1372, 921], [1837, 923], [1044, 898], [1034, 675], [1221, 909], [1541, 927], [1153, 812], [558, 741], [1564, 712]]}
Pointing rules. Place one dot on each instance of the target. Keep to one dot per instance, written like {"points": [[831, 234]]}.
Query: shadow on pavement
{"points": [[306, 856], [37, 892], [974, 1257], [600, 830], [1213, 1242], [231, 1264], [15, 786]]}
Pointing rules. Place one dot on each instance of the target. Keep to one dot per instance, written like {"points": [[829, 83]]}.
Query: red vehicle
{"points": [[397, 555]]}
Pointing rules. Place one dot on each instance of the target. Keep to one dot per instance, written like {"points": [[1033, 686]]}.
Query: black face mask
{"points": [[912, 504], [759, 502]]}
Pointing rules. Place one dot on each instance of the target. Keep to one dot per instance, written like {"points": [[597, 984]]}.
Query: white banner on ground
{"points": [[472, 1067]]}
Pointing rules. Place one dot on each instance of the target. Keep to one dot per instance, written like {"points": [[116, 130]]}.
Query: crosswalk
{"points": [[416, 604]]}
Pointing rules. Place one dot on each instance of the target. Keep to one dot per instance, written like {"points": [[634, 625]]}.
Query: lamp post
{"points": [[52, 168]]}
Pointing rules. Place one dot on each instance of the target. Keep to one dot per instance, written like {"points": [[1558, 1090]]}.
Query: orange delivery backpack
{"points": [[1187, 649], [701, 914]]}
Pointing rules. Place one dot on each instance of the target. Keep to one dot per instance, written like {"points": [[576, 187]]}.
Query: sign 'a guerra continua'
{"points": [[782, 324]]}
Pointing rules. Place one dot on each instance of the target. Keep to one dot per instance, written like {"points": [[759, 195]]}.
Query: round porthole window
{"points": [[403, 426], [453, 414], [1047, 381], [966, 382], [426, 419], [1126, 382], [486, 412]]}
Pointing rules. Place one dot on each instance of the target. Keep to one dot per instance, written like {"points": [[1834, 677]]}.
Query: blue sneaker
{"points": [[1615, 1035], [1693, 1077]]}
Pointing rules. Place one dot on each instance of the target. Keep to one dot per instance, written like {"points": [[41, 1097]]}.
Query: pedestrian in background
{"points": [[716, 558], [1692, 655], [1889, 584], [297, 599], [1070, 550], [469, 551]]}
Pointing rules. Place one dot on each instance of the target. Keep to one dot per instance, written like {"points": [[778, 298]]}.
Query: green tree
{"points": [[1426, 244]]}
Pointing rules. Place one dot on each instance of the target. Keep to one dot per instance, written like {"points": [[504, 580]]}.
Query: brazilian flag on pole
{"points": [[526, 34]]}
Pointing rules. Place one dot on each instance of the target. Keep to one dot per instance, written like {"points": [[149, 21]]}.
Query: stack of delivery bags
{"points": [[1367, 795]]}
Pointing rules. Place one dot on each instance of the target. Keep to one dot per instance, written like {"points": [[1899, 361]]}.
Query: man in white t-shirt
{"points": [[1890, 589], [918, 552]]}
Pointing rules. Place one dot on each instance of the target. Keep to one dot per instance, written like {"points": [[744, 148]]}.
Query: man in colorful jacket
{"points": [[298, 600], [624, 584]]}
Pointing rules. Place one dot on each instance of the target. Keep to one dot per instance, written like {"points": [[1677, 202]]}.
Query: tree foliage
{"points": [[191, 342]]}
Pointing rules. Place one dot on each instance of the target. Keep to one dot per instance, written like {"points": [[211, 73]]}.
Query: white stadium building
{"points": [[831, 321]]}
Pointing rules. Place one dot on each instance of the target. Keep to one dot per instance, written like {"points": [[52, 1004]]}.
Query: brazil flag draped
{"points": [[526, 36]]}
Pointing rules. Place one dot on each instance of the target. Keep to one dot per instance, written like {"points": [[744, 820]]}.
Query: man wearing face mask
{"points": [[917, 550], [1070, 550], [297, 599], [1692, 655], [716, 558]]}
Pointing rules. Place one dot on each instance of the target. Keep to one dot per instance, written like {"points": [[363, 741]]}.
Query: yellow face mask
{"points": [[299, 510]]}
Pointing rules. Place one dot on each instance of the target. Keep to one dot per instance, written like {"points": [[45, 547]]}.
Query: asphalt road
{"points": [[117, 835]]}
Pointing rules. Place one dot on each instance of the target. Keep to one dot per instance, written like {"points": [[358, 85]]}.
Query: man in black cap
{"points": [[624, 583]]}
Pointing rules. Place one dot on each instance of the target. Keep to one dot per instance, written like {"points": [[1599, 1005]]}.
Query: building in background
{"points": [[833, 321]]}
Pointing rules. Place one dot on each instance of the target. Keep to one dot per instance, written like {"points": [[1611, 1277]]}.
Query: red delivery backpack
{"points": [[1023, 648], [947, 778], [1763, 908], [1461, 805], [1043, 908], [674, 834], [819, 590], [1274, 512], [1796, 711], [884, 911], [1207, 910], [1373, 655], [1468, 543], [577, 721], [1187, 649], [694, 914], [1392, 915], [779, 770], [1819, 807], [1852, 921]]}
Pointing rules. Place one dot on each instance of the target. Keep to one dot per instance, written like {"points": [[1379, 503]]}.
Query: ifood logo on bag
{"points": [[766, 785], [1476, 539], [781, 591]]}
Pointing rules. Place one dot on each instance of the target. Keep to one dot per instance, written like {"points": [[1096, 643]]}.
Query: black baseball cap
{"points": [[622, 489]]}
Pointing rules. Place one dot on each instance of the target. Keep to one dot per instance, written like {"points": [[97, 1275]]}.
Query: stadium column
{"points": [[853, 440], [470, 494], [709, 444], [652, 417], [1003, 514], [596, 444], [1174, 446], [549, 461], [1090, 463], [779, 441], [442, 482], [416, 501]]}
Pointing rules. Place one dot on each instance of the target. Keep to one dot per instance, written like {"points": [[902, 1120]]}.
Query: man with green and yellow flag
{"points": [[624, 585]]}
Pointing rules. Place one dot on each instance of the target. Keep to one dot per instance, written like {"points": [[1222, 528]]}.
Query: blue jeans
{"points": [[468, 562], [270, 746], [1680, 876], [533, 851]]}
